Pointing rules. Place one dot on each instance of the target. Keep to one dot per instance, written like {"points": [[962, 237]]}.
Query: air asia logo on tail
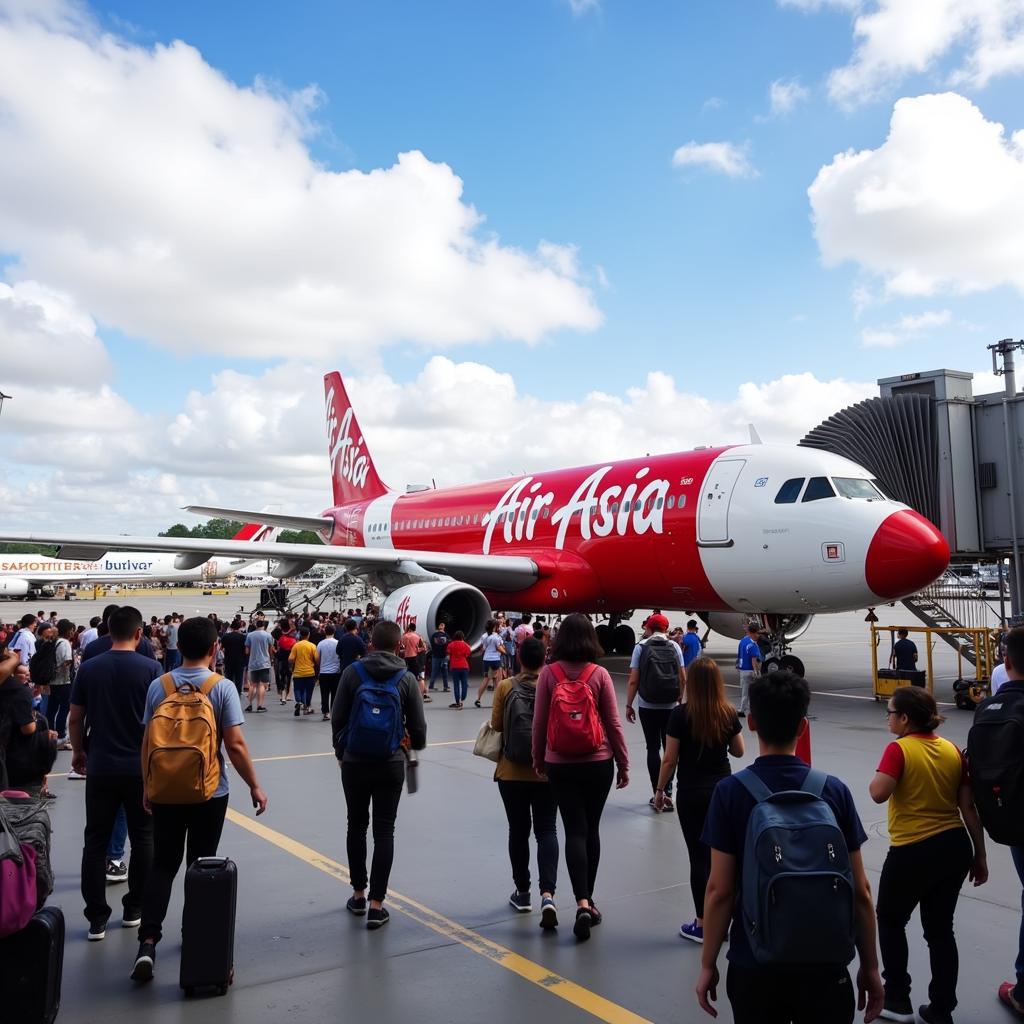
{"points": [[348, 461]]}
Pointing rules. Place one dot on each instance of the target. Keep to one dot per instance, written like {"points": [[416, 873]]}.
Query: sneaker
{"points": [[248, 708], [97, 930], [131, 919], [1006, 997], [596, 917], [548, 914], [261, 711], [930, 1015], [692, 931], [581, 929], [376, 918], [446, 689], [668, 806], [356, 905], [326, 718], [75, 775], [298, 710], [455, 705], [427, 699], [117, 871], [651, 804], [520, 901], [144, 962], [64, 744]]}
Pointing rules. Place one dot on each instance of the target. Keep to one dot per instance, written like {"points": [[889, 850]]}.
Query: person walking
{"points": [[189, 830], [658, 680], [378, 709], [439, 656], [259, 649], [108, 702], [328, 667], [748, 661], [232, 644], [413, 651], [924, 779], [578, 743], [702, 733], [528, 798], [493, 649], [458, 658], [60, 688], [302, 663]]}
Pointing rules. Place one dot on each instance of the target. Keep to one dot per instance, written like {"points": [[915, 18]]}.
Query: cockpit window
{"points": [[881, 490], [818, 487], [852, 487], [789, 491]]}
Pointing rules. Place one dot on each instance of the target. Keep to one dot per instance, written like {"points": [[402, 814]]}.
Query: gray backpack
{"points": [[798, 904]]}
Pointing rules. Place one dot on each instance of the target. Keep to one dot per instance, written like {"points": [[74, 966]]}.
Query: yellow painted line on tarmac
{"points": [[580, 997]]}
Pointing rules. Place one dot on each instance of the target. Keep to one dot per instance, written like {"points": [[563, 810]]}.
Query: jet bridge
{"points": [[955, 457]]}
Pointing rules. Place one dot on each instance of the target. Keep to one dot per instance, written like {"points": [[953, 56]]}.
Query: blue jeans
{"points": [[438, 667], [1017, 852], [118, 836], [303, 686], [460, 682]]}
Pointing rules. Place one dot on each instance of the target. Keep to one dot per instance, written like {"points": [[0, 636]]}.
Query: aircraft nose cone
{"points": [[905, 555]]}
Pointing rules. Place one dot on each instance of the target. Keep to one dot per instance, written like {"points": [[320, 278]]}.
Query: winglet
{"points": [[353, 474], [755, 437]]}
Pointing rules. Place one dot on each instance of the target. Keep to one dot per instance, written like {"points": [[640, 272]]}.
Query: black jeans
{"points": [[174, 825], [692, 808], [654, 722], [531, 805], [105, 795], [581, 790], [928, 873], [328, 688], [236, 673], [767, 995], [377, 784]]}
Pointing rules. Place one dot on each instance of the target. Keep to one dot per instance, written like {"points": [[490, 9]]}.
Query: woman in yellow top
{"points": [[924, 778], [529, 801]]}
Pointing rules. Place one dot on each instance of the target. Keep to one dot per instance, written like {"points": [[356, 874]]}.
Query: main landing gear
{"points": [[615, 636], [776, 632]]}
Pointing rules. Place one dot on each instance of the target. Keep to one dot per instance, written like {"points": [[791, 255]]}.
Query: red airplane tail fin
{"points": [[353, 474], [256, 532]]}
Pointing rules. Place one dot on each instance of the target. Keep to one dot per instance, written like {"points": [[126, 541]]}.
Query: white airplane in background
{"points": [[27, 575]]}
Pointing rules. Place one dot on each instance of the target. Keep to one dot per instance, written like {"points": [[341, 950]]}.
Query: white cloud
{"points": [[907, 328], [897, 38], [89, 459], [182, 208], [724, 157], [938, 206], [784, 96], [712, 103], [579, 7]]}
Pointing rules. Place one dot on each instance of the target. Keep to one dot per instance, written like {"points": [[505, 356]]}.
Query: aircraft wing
{"points": [[498, 572], [315, 523]]}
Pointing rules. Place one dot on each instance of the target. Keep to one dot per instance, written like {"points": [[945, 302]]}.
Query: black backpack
{"points": [[659, 671], [42, 666], [517, 725], [995, 754]]}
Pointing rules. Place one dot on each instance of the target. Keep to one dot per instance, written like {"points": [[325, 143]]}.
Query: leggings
{"points": [[692, 808], [581, 790], [654, 722]]}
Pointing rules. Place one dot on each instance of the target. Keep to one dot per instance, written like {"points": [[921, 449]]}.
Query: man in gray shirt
{"points": [[172, 657], [259, 646]]}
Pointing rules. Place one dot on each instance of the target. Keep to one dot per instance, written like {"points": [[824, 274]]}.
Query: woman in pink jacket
{"points": [[577, 744]]}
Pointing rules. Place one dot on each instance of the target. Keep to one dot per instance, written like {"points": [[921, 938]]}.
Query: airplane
{"points": [[780, 533], [29, 575]]}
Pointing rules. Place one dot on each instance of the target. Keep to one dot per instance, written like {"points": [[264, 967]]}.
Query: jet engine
{"points": [[458, 605], [734, 624], [14, 588]]}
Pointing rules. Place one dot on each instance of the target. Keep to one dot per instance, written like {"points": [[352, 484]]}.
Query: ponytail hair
{"points": [[919, 706]]}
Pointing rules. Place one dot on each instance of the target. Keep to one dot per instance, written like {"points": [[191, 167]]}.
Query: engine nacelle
{"points": [[14, 588], [458, 605], [734, 624]]}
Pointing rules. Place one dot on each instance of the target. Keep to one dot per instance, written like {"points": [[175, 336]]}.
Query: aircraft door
{"points": [[713, 516]]}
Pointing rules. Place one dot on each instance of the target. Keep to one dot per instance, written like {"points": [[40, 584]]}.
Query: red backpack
{"points": [[574, 725]]}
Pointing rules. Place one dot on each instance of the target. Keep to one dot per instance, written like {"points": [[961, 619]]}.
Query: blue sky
{"points": [[135, 215]]}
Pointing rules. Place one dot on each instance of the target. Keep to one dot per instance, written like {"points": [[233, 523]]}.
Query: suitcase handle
{"points": [[211, 863]]}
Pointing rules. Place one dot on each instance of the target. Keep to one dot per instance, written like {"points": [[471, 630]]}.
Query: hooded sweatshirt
{"points": [[382, 666]]}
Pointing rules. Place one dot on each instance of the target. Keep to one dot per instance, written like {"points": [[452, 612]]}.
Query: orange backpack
{"points": [[182, 742]]}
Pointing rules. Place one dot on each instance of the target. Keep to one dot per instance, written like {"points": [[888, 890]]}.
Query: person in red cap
{"points": [[656, 680]]}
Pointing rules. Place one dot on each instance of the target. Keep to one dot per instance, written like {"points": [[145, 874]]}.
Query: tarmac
{"points": [[454, 951]]}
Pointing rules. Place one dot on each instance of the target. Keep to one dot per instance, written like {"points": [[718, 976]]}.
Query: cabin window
{"points": [[476, 518], [818, 487], [546, 512], [671, 501], [615, 507], [533, 514], [682, 501], [789, 491], [658, 503]]}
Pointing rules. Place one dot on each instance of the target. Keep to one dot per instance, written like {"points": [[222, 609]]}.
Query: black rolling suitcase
{"points": [[31, 965], [208, 925]]}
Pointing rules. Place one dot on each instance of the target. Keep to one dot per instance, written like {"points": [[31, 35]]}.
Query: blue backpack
{"points": [[798, 895], [376, 726]]}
